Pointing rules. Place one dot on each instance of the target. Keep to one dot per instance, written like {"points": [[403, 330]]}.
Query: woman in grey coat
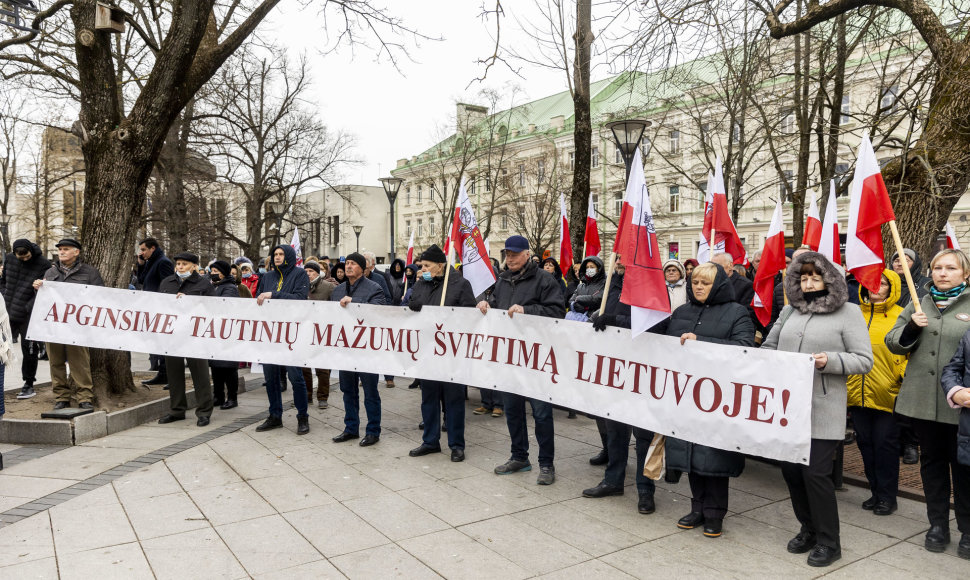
{"points": [[820, 321], [931, 338]]}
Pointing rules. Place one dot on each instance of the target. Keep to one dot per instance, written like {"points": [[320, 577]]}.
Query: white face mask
{"points": [[184, 275], [590, 272]]}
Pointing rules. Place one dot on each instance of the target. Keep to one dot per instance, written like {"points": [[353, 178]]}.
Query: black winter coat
{"points": [[721, 320], [429, 293], [532, 288], [379, 279], [80, 273], [589, 294], [18, 280], [194, 285], [285, 282], [957, 374], [226, 288], [365, 291], [154, 270]]}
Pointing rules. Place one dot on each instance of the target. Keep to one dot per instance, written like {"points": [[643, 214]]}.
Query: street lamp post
{"points": [[392, 185], [4, 230], [627, 134], [357, 230]]}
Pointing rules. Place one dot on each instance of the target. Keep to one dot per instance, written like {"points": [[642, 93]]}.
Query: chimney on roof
{"points": [[467, 116], [558, 122]]}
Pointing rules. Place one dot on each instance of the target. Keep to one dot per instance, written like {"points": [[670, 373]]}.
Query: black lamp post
{"points": [[4, 230], [357, 230], [392, 185], [627, 134]]}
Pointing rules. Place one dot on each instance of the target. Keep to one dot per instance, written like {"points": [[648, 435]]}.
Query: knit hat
{"points": [[359, 258], [434, 254], [21, 243], [186, 257], [311, 265], [222, 266]]}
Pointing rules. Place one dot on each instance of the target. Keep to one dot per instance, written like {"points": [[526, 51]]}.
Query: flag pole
{"points": [[609, 277], [444, 289], [583, 257], [906, 272]]}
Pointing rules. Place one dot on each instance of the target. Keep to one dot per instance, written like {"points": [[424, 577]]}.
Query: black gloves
{"points": [[601, 322], [415, 306]]}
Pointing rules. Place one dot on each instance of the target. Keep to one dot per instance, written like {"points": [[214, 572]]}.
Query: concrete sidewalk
{"points": [[177, 501]]}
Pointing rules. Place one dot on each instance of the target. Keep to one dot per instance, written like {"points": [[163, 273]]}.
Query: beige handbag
{"points": [[655, 464]]}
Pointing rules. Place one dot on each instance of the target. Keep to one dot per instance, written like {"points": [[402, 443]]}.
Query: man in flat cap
{"points": [[71, 270]]}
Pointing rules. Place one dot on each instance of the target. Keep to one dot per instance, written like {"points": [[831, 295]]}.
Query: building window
{"points": [[786, 185], [736, 133], [521, 175], [431, 229], [787, 125], [595, 161], [705, 133], [645, 146], [846, 110], [674, 137], [737, 188], [541, 169], [471, 187], [488, 183], [431, 190], [703, 189], [596, 204], [572, 160], [419, 201], [504, 220], [407, 196], [420, 228], [674, 193], [888, 99], [407, 228], [619, 155], [617, 203]]}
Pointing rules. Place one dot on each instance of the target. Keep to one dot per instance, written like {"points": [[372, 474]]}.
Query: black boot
{"points": [[160, 378], [302, 425]]}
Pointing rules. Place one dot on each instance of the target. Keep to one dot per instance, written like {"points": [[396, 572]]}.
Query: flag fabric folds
{"points": [[869, 209], [829, 243], [644, 287], [565, 244], [470, 246], [772, 262], [717, 217], [410, 256], [591, 239], [951, 237], [295, 244], [813, 226]]}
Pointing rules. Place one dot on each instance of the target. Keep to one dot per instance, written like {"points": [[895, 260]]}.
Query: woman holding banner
{"points": [[820, 321], [710, 315], [931, 338]]}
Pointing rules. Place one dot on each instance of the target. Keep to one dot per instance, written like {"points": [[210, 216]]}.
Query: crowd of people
{"points": [[900, 376]]}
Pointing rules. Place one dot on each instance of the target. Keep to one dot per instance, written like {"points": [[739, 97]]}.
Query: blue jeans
{"points": [[618, 449], [372, 402], [274, 390], [518, 430], [433, 394], [491, 399]]}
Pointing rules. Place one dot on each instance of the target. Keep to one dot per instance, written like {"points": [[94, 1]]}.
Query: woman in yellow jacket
{"points": [[872, 397]]}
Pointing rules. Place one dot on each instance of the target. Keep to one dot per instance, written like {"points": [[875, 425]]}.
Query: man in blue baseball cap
{"points": [[525, 288]]}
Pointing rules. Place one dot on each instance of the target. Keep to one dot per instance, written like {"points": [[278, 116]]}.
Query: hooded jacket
{"points": [[395, 281], [830, 325], [721, 320], [253, 281], [878, 388], [225, 288], [286, 281], [532, 288], [428, 293], [919, 279], [589, 294], [18, 280], [154, 270], [558, 275], [677, 291], [956, 374]]}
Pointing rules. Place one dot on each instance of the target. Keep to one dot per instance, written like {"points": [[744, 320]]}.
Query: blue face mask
{"points": [[247, 275], [262, 270], [426, 276], [183, 275]]}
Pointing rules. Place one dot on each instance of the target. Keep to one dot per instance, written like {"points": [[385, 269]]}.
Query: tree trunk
{"points": [[583, 128]]}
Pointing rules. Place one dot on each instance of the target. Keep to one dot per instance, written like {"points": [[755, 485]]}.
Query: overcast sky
{"points": [[395, 114]]}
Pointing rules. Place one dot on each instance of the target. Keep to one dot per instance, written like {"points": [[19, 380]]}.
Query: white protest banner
{"points": [[742, 399]]}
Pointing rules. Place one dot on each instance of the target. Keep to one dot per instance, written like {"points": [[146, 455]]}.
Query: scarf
{"points": [[813, 296], [943, 298]]}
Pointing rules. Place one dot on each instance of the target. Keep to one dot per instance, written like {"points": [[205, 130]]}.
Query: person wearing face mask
{"points": [[931, 338], [69, 268], [237, 276], [819, 320], [21, 267], [186, 281], [427, 292], [248, 277], [589, 294], [872, 397], [225, 374]]}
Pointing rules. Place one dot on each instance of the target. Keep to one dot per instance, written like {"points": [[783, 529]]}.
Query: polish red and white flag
{"points": [[295, 244], [869, 209], [951, 238], [813, 226], [829, 244], [470, 245], [644, 287], [591, 238], [565, 244], [410, 257], [717, 218], [772, 262]]}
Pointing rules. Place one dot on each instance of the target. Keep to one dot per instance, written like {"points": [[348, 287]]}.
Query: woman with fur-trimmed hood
{"points": [[820, 321]]}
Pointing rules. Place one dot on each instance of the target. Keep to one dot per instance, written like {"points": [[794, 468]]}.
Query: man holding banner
{"points": [[527, 289]]}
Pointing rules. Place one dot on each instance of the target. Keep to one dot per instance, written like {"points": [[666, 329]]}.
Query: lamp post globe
{"points": [[627, 133], [357, 230], [392, 186]]}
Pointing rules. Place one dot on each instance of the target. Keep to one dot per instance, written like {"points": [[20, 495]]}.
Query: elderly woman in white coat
{"points": [[820, 321]]}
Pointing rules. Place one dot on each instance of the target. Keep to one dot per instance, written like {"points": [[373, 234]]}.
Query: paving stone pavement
{"points": [[177, 501]]}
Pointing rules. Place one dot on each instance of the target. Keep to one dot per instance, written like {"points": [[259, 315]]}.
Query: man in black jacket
{"points": [[527, 289], [284, 282], [153, 267], [427, 292], [70, 269], [186, 281], [358, 288], [20, 268]]}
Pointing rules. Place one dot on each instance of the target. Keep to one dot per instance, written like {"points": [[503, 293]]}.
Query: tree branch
{"points": [[35, 24]]}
